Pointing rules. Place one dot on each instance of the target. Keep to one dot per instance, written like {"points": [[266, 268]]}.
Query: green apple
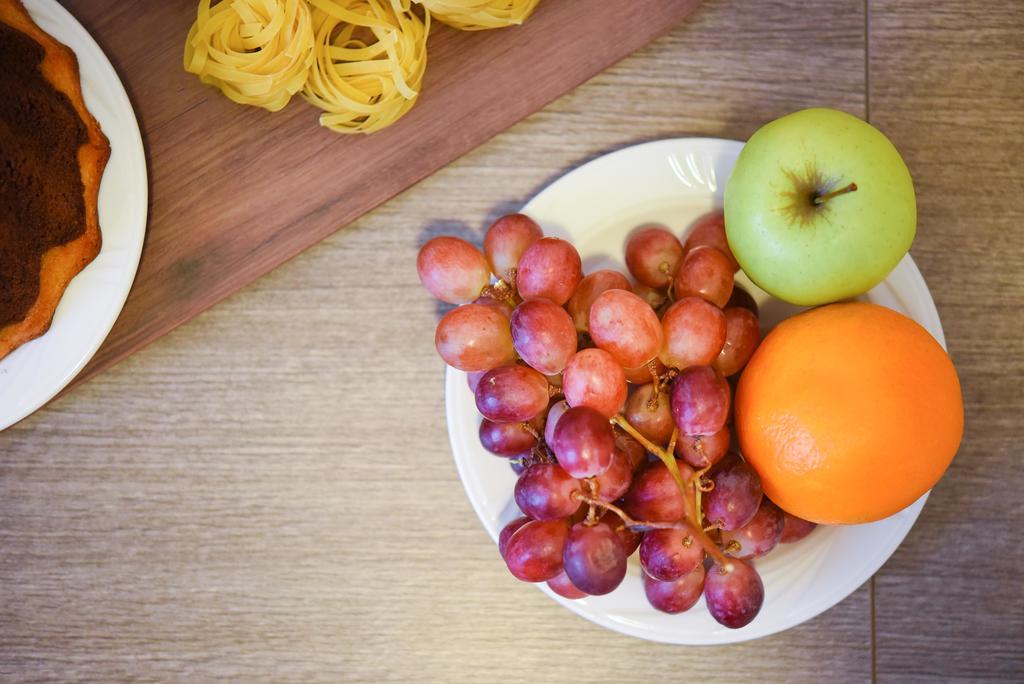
{"points": [[819, 207]]}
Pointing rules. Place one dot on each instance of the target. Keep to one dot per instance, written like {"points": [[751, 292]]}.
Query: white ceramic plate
{"points": [[595, 206], [32, 374]]}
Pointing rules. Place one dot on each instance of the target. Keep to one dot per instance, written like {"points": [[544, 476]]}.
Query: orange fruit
{"points": [[849, 413]]}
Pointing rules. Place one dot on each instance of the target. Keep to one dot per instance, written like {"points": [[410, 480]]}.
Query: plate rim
{"points": [[455, 420], [131, 145]]}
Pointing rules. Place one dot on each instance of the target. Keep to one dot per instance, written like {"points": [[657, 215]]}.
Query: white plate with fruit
{"points": [[602, 209]]}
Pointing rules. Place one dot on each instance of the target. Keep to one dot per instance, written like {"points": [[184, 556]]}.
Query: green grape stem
{"points": [[635, 525], [689, 503]]}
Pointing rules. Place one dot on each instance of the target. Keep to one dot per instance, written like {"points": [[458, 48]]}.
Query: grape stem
{"points": [[501, 291], [591, 484], [635, 525], [530, 429], [652, 368], [688, 502]]}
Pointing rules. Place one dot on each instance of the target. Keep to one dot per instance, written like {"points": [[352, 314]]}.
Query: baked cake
{"points": [[52, 156]]}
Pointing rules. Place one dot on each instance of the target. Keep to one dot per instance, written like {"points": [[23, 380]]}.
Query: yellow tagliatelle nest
{"points": [[476, 15], [370, 59], [258, 52]]}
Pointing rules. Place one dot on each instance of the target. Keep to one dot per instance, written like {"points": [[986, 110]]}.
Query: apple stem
{"points": [[821, 199]]}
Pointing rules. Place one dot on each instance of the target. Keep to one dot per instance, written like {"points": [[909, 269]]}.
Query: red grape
{"points": [[452, 270], [701, 451], [736, 495], [543, 335], [700, 401], [614, 482], [653, 255], [506, 241], [709, 230], [641, 375], [592, 378], [757, 537], [634, 451], [742, 335], [694, 332], [534, 552], [517, 464], [554, 413], [705, 272], [654, 297], [626, 327], [549, 269], [667, 555], [794, 529], [583, 442], [505, 439], [587, 291], [742, 299], [474, 338], [508, 530], [630, 539], [654, 495], [512, 394], [735, 597], [678, 596], [502, 307], [656, 423], [546, 492], [594, 558], [563, 586]]}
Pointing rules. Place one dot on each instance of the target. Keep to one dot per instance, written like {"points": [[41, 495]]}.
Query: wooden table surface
{"points": [[268, 492]]}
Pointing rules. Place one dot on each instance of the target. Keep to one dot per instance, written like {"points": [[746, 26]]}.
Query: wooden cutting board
{"points": [[235, 191]]}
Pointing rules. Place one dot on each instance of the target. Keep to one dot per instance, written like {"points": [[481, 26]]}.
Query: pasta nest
{"points": [[258, 52], [477, 15], [369, 65]]}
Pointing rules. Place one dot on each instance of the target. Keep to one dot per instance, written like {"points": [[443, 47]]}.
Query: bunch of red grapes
{"points": [[612, 402]]}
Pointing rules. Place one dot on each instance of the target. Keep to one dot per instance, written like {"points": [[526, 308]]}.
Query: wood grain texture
{"points": [[236, 191], [947, 84], [268, 492]]}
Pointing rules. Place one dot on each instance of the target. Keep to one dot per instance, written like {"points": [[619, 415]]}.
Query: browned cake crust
{"points": [[61, 263]]}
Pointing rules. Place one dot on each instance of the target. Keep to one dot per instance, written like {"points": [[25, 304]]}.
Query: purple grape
{"points": [[757, 537], [630, 539], [702, 451], [794, 529], [584, 442], [700, 401], [677, 596], [614, 482], [654, 495], [594, 558], [512, 394], [508, 530], [633, 450], [741, 298], [667, 555], [736, 495], [505, 439], [546, 492], [554, 413], [734, 598], [534, 552], [563, 586]]}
